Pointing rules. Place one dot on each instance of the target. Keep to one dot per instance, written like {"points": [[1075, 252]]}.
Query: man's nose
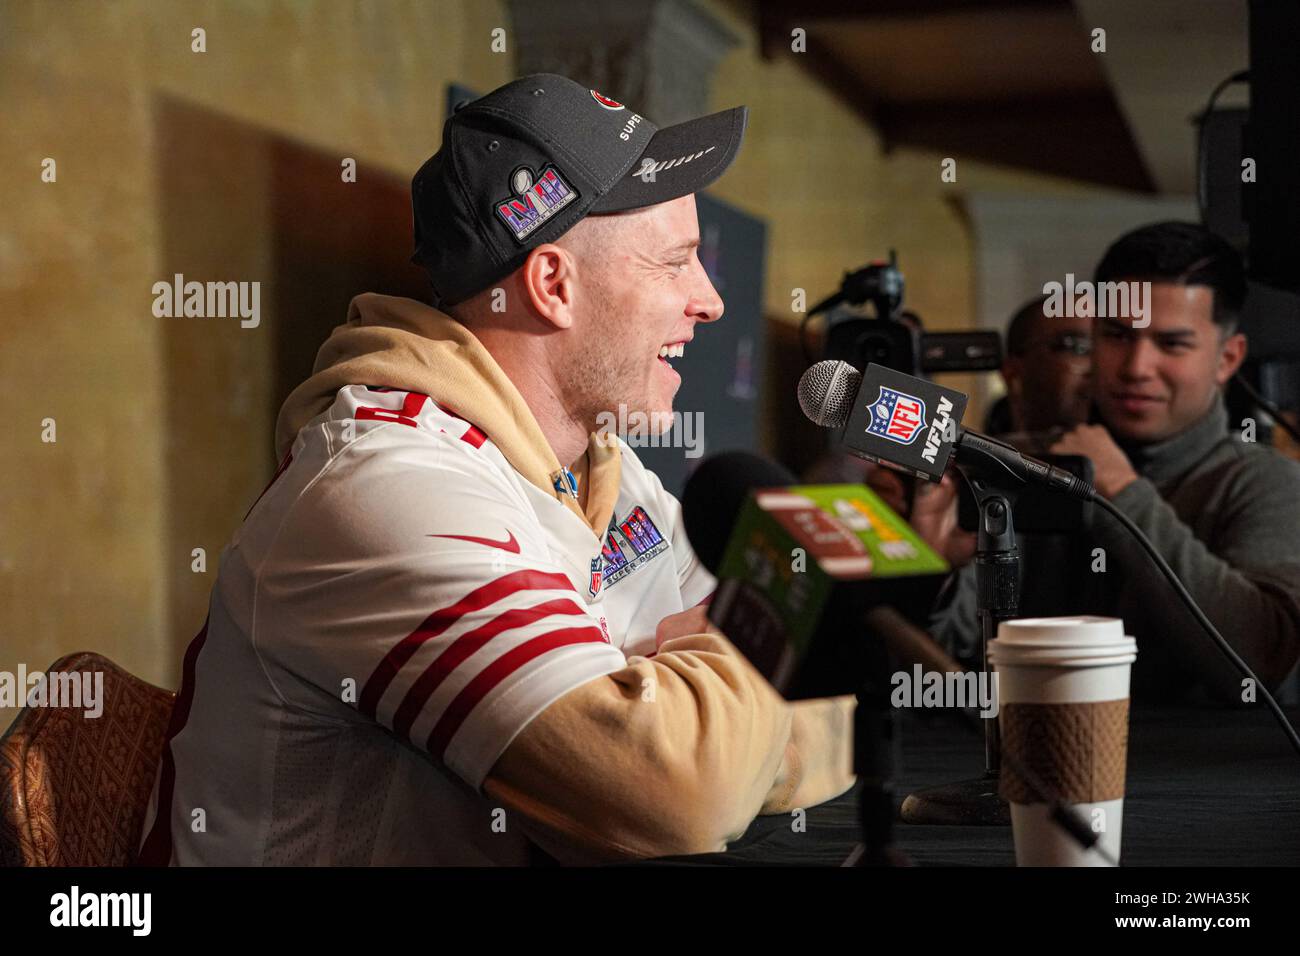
{"points": [[1139, 360], [705, 305]]}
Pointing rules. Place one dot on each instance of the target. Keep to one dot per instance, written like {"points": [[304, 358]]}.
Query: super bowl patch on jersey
{"points": [[629, 544]]}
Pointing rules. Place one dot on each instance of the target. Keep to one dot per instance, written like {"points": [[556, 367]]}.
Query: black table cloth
{"points": [[1205, 787]]}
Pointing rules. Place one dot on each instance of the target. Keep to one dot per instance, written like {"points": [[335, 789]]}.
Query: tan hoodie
{"points": [[608, 771]]}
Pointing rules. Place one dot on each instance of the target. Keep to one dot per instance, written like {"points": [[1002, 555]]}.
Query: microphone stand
{"points": [[997, 574], [875, 745]]}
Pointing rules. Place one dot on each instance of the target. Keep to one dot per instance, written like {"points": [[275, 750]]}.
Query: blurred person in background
{"points": [[1223, 512], [1045, 370]]}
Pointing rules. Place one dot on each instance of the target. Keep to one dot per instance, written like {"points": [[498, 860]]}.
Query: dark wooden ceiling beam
{"points": [[776, 18], [1080, 137]]}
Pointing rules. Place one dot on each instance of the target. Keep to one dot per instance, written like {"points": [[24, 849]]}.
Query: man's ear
{"points": [[1231, 354], [547, 277], [1012, 372]]}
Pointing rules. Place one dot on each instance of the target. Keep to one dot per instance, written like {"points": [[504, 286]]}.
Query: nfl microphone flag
{"points": [[904, 422]]}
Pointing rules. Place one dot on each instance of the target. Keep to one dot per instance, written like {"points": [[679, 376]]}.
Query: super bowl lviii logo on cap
{"points": [[538, 201], [896, 415]]}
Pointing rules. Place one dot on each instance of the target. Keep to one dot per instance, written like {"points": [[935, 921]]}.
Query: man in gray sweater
{"points": [[1222, 509]]}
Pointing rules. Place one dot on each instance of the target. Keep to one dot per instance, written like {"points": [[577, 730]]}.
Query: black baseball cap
{"points": [[522, 165]]}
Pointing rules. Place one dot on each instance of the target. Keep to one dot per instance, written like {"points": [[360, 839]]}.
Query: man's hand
{"points": [[888, 484], [934, 518], [933, 515], [1112, 470], [684, 623]]}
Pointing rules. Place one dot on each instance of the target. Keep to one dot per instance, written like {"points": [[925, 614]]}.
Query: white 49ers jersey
{"points": [[396, 606]]}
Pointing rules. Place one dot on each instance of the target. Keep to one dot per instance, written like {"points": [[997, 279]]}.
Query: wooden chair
{"points": [[73, 789]]}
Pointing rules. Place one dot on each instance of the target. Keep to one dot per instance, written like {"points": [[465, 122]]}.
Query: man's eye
{"points": [[1073, 345], [680, 266]]}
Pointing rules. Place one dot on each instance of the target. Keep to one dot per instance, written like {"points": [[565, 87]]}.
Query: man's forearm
{"points": [[1258, 616], [818, 764], [671, 755]]}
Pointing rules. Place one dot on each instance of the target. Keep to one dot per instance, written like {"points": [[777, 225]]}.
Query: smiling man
{"points": [[1225, 513], [460, 625]]}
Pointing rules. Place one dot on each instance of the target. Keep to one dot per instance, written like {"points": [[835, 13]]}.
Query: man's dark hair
{"points": [[1021, 327], [1183, 253]]}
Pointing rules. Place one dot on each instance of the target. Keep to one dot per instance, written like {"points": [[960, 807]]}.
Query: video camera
{"points": [[894, 337]]}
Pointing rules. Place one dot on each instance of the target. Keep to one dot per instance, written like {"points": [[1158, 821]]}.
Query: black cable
{"points": [[1241, 76], [1274, 412], [825, 305], [1204, 621], [803, 339]]}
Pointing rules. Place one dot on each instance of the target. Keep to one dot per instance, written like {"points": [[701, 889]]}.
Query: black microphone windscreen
{"points": [[716, 492]]}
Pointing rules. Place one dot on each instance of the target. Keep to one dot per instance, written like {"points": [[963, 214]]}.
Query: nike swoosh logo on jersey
{"points": [[509, 544]]}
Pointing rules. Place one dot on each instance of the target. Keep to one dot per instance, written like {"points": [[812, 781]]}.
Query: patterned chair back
{"points": [[74, 789]]}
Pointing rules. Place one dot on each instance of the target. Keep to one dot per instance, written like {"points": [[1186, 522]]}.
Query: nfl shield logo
{"points": [[897, 416], [596, 577]]}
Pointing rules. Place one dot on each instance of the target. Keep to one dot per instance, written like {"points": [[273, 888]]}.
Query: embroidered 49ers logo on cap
{"points": [[605, 101]]}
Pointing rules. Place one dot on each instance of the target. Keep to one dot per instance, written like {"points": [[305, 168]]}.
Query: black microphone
{"points": [[714, 495], [914, 426], [748, 550], [805, 627], [800, 567]]}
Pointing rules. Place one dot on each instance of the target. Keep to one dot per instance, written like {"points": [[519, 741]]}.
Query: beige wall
{"points": [[90, 557], [91, 554]]}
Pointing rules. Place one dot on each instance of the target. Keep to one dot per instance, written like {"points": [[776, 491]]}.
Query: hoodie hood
{"points": [[405, 344]]}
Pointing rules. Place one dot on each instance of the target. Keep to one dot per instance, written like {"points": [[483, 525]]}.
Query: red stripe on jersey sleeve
{"points": [[440, 620], [492, 675], [461, 648]]}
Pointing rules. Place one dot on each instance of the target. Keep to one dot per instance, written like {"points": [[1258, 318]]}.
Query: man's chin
{"points": [[661, 419], [641, 420], [1127, 431]]}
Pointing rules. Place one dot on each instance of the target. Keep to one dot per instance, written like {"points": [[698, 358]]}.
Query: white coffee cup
{"points": [[1070, 674]]}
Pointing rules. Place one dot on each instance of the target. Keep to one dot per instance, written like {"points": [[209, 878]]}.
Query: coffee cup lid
{"points": [[1080, 640], [1085, 629]]}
